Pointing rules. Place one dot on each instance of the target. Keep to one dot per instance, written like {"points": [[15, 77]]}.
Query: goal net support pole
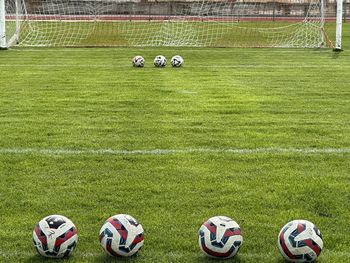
{"points": [[2, 25], [322, 31], [339, 24]]}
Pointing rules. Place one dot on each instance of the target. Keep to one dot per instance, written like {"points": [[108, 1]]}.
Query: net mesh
{"points": [[236, 23]]}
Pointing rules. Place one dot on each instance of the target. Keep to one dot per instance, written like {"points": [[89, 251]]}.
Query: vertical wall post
{"points": [[2, 25], [339, 24]]}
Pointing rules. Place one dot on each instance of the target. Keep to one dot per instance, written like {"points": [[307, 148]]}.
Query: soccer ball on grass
{"points": [[300, 241], [220, 237], [177, 61], [121, 235], [138, 61], [160, 61], [55, 236]]}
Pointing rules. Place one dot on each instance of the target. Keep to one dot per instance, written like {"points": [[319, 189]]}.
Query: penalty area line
{"points": [[238, 151]]}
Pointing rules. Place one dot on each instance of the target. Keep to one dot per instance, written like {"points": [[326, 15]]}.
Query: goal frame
{"points": [[6, 43], [3, 43], [339, 26]]}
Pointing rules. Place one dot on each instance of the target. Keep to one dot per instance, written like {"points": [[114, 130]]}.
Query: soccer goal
{"points": [[209, 23]]}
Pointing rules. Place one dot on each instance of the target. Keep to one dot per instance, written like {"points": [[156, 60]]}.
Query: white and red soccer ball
{"points": [[300, 241], [121, 235], [220, 237], [55, 236], [138, 61]]}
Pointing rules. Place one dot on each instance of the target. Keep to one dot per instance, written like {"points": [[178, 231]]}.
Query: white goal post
{"points": [[3, 43], [217, 23], [339, 25]]}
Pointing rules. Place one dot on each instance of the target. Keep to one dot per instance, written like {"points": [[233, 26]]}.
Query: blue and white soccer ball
{"points": [[160, 61], [220, 237], [138, 61], [177, 61], [55, 236], [300, 241], [121, 235]]}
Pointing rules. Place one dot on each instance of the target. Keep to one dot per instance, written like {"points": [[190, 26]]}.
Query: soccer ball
{"points": [[55, 236], [220, 237], [177, 61], [300, 241], [160, 61], [121, 235], [138, 61]]}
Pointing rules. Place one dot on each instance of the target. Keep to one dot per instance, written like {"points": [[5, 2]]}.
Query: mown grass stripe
{"points": [[196, 66], [62, 151]]}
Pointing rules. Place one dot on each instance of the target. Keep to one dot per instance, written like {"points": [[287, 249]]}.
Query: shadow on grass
{"points": [[204, 259], [336, 54], [235, 259], [104, 258], [40, 259], [281, 260]]}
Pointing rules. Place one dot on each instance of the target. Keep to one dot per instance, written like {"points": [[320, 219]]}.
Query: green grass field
{"points": [[259, 135]]}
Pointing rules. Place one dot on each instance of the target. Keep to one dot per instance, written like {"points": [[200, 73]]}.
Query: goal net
{"points": [[232, 23]]}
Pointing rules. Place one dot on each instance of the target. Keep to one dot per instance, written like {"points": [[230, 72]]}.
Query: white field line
{"points": [[237, 151]]}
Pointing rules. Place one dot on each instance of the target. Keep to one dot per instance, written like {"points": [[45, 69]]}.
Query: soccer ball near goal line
{"points": [[177, 61], [220, 237], [300, 241], [55, 236], [121, 235], [160, 61], [138, 61]]}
